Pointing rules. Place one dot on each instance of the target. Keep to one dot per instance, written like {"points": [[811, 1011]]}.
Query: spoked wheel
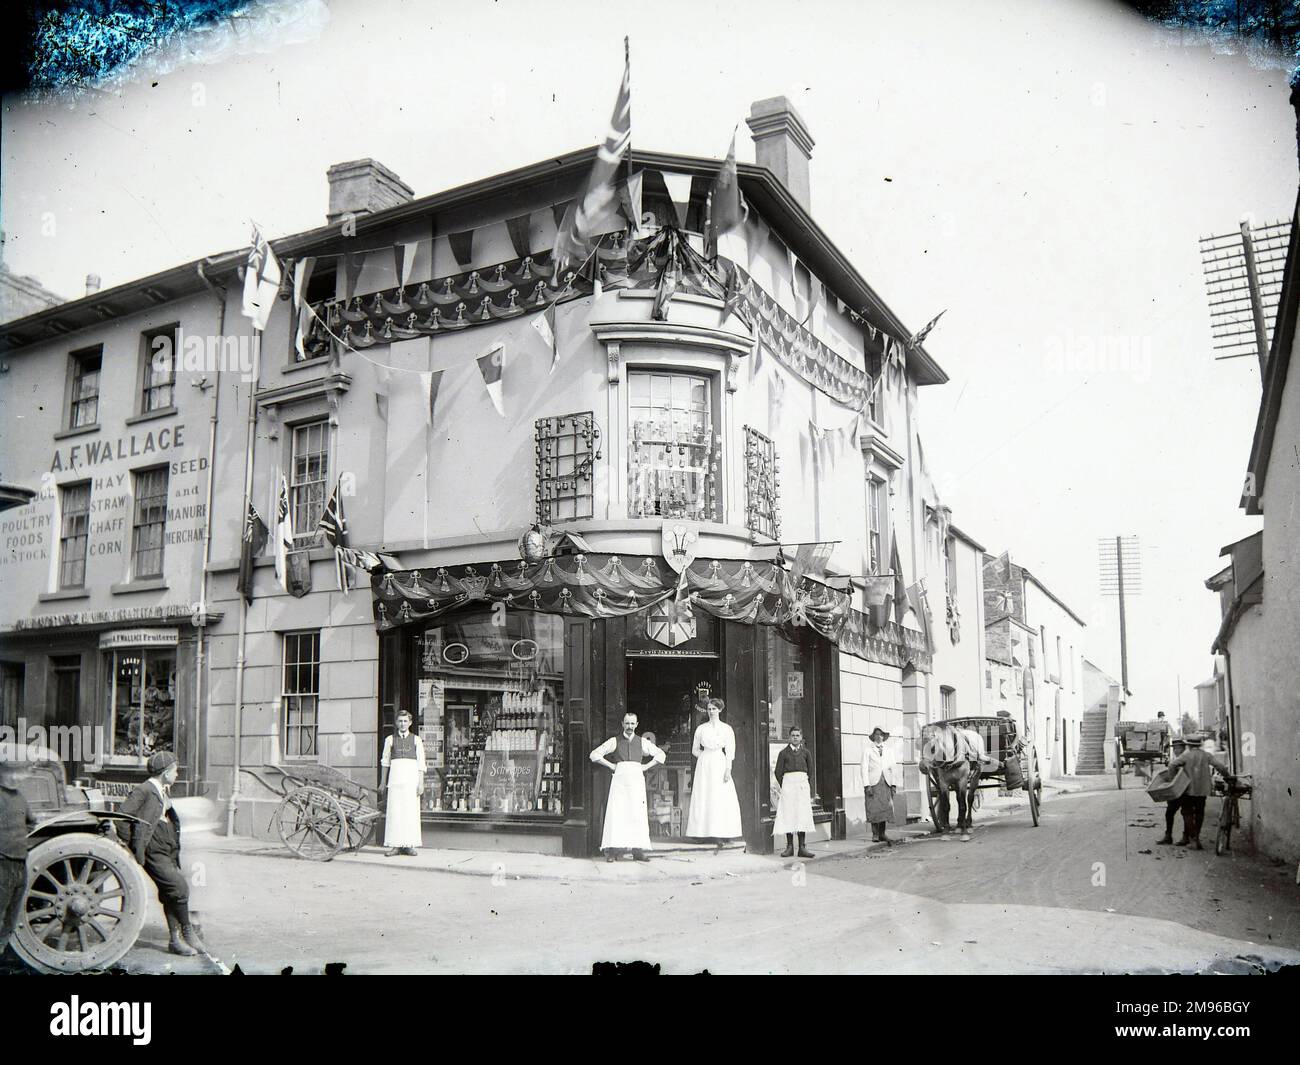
{"points": [[312, 824], [85, 905], [933, 799], [1033, 783], [1223, 838], [360, 830], [1119, 764]]}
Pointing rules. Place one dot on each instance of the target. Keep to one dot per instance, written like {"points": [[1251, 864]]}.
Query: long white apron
{"points": [[794, 811], [715, 809], [402, 822], [626, 824]]}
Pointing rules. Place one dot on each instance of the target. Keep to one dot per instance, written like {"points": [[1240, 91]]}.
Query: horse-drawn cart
{"points": [[322, 811], [1141, 742], [1005, 761]]}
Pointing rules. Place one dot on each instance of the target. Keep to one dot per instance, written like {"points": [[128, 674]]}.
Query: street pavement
{"points": [[1086, 891]]}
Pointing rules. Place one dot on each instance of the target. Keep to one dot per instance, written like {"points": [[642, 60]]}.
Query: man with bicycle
{"points": [[1197, 764]]}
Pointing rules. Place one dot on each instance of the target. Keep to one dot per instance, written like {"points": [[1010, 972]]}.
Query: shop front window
{"points": [[673, 457], [490, 713], [141, 699]]}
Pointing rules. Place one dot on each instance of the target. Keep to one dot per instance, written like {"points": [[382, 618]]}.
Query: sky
{"points": [[1041, 171]]}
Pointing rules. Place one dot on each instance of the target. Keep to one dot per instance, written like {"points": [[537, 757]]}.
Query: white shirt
{"points": [[878, 762], [387, 759], [715, 736]]}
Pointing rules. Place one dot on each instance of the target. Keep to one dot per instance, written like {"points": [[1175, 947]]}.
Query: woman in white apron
{"points": [[715, 810], [403, 783], [627, 826]]}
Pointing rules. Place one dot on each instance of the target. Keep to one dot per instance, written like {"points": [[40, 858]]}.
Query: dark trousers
{"points": [[13, 890], [1193, 815], [1171, 811], [173, 888]]}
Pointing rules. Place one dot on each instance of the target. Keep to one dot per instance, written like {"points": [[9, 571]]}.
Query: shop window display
{"points": [[491, 695], [141, 701]]}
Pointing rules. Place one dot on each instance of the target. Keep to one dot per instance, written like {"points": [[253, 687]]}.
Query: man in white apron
{"points": [[794, 813], [627, 825], [403, 783]]}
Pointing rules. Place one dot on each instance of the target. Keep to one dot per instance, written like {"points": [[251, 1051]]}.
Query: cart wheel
{"points": [[933, 800], [85, 904], [1119, 764], [1033, 783], [360, 830], [312, 824]]}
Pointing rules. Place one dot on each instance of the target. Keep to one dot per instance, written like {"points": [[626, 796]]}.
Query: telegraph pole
{"points": [[1121, 576], [1123, 629]]}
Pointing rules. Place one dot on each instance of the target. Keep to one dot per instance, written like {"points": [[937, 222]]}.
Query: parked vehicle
{"points": [[86, 895]]}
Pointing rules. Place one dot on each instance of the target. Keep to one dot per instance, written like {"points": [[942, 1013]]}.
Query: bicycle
{"points": [[1230, 812]]}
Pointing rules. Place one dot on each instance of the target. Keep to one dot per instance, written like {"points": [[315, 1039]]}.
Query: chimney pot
{"points": [[364, 186], [783, 144], [92, 284]]}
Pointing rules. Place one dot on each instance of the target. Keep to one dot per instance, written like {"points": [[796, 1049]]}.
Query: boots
{"points": [[176, 943], [191, 937], [804, 852], [789, 846], [1166, 839]]}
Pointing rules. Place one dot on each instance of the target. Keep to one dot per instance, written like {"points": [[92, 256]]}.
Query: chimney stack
{"points": [[364, 186], [92, 284], [783, 144]]}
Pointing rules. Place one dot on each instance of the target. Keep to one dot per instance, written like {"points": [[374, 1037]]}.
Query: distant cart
{"points": [[322, 812], [1140, 742]]}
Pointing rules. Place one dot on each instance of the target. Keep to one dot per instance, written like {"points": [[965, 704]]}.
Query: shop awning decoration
{"points": [[602, 586]]}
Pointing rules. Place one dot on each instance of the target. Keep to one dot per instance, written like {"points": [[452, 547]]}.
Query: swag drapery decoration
{"points": [[604, 586], [663, 262]]}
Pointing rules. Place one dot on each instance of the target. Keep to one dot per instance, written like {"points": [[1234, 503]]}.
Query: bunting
{"points": [[725, 212], [492, 367], [302, 271], [917, 340], [544, 323]]}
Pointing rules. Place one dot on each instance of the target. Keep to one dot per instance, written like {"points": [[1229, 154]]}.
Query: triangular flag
{"points": [[679, 191], [632, 203], [462, 247], [519, 229], [404, 260], [724, 204], [492, 367], [352, 264], [544, 323], [430, 383]]}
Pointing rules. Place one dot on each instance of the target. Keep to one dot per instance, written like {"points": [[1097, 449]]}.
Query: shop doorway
{"points": [[663, 693]]}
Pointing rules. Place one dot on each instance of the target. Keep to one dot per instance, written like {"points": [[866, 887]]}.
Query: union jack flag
{"points": [[599, 199], [333, 526]]}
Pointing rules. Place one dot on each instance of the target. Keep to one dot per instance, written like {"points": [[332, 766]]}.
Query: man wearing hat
{"points": [[155, 839], [1197, 764], [1175, 804], [880, 781]]}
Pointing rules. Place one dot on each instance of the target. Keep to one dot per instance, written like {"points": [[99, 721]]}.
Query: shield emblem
{"points": [[680, 540]]}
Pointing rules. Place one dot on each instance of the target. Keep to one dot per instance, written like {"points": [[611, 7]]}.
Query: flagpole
{"points": [[240, 659]]}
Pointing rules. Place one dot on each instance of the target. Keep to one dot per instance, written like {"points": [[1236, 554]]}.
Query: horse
{"points": [[950, 759]]}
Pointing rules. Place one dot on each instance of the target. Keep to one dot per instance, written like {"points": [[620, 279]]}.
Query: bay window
{"points": [[673, 450]]}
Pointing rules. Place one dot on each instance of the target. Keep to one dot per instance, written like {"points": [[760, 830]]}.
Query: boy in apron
{"points": [[794, 813]]}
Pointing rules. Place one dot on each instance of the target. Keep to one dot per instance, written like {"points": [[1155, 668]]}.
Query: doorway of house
{"points": [[662, 692]]}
